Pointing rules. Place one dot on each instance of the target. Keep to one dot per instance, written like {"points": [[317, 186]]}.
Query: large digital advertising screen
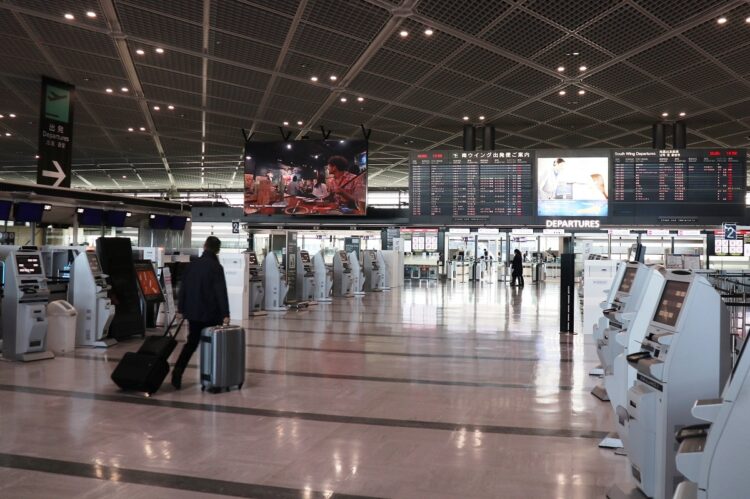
{"points": [[571, 184], [307, 177]]}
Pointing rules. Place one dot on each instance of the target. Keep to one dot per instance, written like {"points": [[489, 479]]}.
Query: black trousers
{"points": [[517, 276], [193, 339]]}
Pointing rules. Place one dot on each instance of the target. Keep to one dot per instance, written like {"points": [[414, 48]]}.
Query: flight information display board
{"points": [[484, 187], [679, 183]]}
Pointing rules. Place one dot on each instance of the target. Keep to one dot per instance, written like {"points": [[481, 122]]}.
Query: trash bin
{"points": [[61, 328]]}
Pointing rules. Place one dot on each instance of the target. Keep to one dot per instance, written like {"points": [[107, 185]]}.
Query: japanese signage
{"points": [[55, 133]]}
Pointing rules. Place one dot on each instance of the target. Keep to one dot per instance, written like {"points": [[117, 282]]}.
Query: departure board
{"points": [[492, 187], [695, 183]]}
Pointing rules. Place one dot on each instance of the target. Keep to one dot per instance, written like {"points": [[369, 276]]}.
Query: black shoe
{"points": [[177, 380]]}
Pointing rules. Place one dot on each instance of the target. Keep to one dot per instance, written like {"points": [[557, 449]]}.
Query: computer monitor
{"points": [[28, 212], [28, 265]]}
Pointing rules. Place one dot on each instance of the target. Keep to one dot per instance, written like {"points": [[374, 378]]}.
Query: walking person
{"points": [[203, 301], [517, 269]]}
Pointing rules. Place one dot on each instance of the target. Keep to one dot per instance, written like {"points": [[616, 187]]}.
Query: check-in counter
{"points": [[420, 267]]}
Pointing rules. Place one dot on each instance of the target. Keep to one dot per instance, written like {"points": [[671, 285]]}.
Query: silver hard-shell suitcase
{"points": [[222, 358]]}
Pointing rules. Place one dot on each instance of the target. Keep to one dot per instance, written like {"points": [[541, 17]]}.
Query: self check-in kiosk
{"points": [[343, 278], [358, 276], [255, 284], [373, 271], [24, 304], [305, 277], [275, 285], [88, 292], [323, 279], [683, 357]]}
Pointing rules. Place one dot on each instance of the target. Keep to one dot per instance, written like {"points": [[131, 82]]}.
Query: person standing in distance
{"points": [[517, 269], [203, 301]]}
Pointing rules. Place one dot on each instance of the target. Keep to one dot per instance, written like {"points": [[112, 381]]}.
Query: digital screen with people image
{"points": [[572, 186], [307, 177]]}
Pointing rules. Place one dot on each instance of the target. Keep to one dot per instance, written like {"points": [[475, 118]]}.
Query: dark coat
{"points": [[203, 291], [517, 264]]}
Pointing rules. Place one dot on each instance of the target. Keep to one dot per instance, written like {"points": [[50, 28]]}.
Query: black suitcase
{"points": [[140, 372], [145, 370]]}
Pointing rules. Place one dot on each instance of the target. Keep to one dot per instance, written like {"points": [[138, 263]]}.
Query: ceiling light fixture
{"points": [[2, 116], [36, 156], [466, 118], [286, 123], [159, 50], [108, 90], [69, 16], [289, 146], [747, 20], [248, 157], [313, 78], [561, 92], [140, 51], [560, 69], [582, 68], [157, 108], [12, 115], [682, 113], [664, 115], [124, 176], [343, 99], [428, 32], [721, 20], [91, 14], [170, 107], [403, 33], [481, 118], [142, 129], [299, 123], [130, 129], [575, 53], [581, 92], [7, 134], [333, 78], [125, 89], [360, 99]]}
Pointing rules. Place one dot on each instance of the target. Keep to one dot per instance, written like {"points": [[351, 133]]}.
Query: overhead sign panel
{"points": [[55, 133]]}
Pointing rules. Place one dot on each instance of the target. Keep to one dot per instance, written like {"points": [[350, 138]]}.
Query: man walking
{"points": [[203, 301], [517, 269]]}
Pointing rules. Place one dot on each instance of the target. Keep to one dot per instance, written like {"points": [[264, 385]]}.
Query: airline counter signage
{"points": [[55, 133]]}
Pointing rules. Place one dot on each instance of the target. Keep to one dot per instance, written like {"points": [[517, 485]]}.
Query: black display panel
{"points": [[627, 280], [115, 218], [697, 183], [177, 223], [159, 221], [493, 187], [91, 217], [671, 302], [28, 212], [5, 210], [28, 265]]}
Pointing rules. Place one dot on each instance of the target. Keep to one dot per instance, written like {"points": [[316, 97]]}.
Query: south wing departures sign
{"points": [[55, 133]]}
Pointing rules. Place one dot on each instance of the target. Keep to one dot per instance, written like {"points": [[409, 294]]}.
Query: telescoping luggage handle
{"points": [[209, 339], [169, 327]]}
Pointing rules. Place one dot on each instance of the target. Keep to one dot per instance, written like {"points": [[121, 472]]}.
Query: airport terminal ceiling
{"points": [[164, 87]]}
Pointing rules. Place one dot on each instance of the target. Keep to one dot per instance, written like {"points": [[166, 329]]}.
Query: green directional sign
{"points": [[57, 104], [55, 154]]}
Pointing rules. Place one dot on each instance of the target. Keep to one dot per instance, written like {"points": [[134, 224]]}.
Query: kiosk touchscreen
{"points": [[373, 271], [323, 278], [305, 277], [89, 294], [343, 278], [689, 328], [275, 285], [24, 304], [148, 283]]}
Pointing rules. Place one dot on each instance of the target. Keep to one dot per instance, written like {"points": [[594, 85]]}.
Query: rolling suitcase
{"points": [[145, 370], [222, 358]]}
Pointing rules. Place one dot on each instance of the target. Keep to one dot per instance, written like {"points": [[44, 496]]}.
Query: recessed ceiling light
{"points": [[341, 141], [581, 92], [248, 157], [561, 92], [91, 14], [142, 129], [125, 89], [289, 146], [428, 32], [682, 113], [7, 134], [403, 33], [299, 123], [747, 19], [140, 51], [333, 78], [36, 156], [481, 118], [124, 176], [109, 90], [721, 20], [576, 53], [582, 68], [130, 129], [665, 114], [170, 107], [12, 115], [2, 116], [157, 108], [360, 99], [313, 78], [560, 69], [69, 16], [343, 99], [286, 123], [466, 118], [159, 50]]}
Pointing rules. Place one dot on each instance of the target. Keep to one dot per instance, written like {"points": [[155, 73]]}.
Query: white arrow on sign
{"points": [[59, 174]]}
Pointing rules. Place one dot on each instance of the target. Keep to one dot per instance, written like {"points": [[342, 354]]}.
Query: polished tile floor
{"points": [[430, 391]]}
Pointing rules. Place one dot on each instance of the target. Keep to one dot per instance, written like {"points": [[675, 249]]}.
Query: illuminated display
{"points": [[454, 186], [671, 301], [627, 280]]}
